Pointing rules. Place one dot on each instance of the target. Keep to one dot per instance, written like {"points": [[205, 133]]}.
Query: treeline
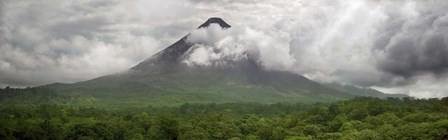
{"points": [[359, 118], [28, 95]]}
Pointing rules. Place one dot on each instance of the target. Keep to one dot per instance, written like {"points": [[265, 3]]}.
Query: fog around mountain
{"points": [[392, 46]]}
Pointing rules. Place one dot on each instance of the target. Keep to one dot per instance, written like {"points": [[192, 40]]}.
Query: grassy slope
{"points": [[196, 86]]}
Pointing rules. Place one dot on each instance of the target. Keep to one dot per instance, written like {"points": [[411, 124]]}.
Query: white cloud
{"points": [[217, 45]]}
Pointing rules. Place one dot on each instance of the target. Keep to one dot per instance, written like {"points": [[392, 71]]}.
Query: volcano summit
{"points": [[165, 79]]}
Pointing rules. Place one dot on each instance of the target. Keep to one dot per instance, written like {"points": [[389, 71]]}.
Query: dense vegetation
{"points": [[359, 118]]}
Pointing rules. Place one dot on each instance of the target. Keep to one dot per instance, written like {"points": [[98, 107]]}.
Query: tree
{"points": [[196, 133], [444, 101], [166, 128], [278, 133], [359, 113], [52, 130]]}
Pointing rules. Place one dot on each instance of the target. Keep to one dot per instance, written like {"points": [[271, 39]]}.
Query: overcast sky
{"points": [[394, 46]]}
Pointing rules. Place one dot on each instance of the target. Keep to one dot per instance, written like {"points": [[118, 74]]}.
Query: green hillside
{"points": [[199, 85], [362, 91]]}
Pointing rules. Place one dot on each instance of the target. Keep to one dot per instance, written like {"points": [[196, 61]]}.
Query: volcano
{"points": [[163, 79]]}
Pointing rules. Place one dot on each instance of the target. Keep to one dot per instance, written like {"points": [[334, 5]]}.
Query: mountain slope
{"points": [[164, 79], [361, 91]]}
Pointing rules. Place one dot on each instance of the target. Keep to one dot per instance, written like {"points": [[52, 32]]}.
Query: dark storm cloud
{"points": [[415, 47]]}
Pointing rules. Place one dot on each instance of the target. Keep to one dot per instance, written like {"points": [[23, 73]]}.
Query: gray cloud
{"points": [[419, 47], [352, 41], [51, 41]]}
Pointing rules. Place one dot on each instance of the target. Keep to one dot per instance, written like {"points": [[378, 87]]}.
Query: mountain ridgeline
{"points": [[164, 80]]}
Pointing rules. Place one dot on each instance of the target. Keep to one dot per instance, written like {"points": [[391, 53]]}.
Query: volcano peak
{"points": [[215, 20]]}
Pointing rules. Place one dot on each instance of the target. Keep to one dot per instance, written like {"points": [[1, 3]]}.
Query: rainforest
{"points": [[357, 118]]}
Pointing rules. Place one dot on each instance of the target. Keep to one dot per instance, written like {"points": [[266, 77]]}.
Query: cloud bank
{"points": [[217, 46], [394, 46], [51, 41]]}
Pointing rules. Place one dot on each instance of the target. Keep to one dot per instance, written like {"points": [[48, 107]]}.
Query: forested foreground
{"points": [[360, 118]]}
